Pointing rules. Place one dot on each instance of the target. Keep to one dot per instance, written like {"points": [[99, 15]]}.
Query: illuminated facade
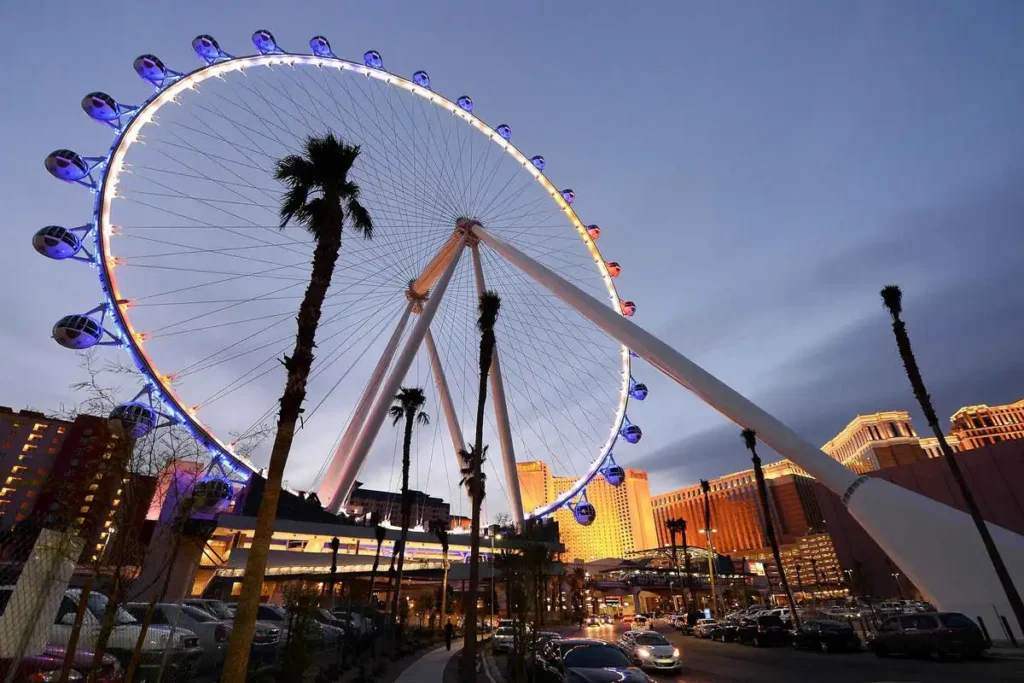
{"points": [[624, 521], [982, 425], [876, 442], [736, 519], [59, 468], [29, 445]]}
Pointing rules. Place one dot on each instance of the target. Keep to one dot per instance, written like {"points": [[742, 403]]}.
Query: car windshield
{"points": [[593, 656], [97, 604], [504, 631], [216, 608], [651, 639], [197, 615]]}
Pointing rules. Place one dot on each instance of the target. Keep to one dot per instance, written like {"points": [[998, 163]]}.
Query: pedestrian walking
{"points": [[449, 633]]}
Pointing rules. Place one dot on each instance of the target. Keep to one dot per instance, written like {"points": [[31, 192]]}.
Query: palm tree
{"points": [[750, 440], [490, 304], [380, 533], [674, 526], [440, 529], [892, 299], [705, 487], [409, 402], [320, 196]]}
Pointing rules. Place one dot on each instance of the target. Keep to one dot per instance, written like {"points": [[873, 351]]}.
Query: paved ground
{"points": [[430, 667], [707, 662]]}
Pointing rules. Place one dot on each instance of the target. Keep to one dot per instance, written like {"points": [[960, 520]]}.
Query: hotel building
{"points": [[624, 522], [981, 425]]}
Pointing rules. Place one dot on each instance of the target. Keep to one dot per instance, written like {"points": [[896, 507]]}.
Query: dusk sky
{"points": [[760, 170]]}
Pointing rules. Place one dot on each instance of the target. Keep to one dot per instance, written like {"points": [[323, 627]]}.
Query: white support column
{"points": [[354, 461], [447, 405], [508, 454], [329, 482], [916, 531]]}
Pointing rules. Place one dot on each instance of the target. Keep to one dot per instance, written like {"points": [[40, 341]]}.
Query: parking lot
{"points": [[707, 662]]}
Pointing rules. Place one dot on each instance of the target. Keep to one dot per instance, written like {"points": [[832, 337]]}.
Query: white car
{"points": [[702, 629], [639, 623], [504, 639], [651, 651], [183, 657]]}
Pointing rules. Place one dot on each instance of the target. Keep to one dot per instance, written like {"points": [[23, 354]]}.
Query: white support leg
{"points": [[329, 482], [508, 454], [935, 545], [447, 405], [352, 464]]}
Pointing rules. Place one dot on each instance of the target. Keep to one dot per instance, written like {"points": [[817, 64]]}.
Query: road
{"points": [[707, 662]]}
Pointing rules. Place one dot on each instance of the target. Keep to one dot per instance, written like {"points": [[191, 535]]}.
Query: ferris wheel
{"points": [[200, 283]]}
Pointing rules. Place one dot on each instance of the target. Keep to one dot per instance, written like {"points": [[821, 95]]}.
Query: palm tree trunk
{"points": [[469, 642], [373, 575], [444, 589], [406, 509], [924, 399], [769, 530], [325, 256], [675, 562]]}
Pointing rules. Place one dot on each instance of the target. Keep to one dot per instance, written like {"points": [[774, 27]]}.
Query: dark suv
{"points": [[761, 630], [940, 633]]}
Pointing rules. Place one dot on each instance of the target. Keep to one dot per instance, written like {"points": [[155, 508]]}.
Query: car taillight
{"points": [[221, 633]]}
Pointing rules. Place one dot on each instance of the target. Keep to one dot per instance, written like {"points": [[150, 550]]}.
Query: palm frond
{"points": [[749, 438], [396, 413], [360, 218], [490, 304], [892, 299], [422, 418]]}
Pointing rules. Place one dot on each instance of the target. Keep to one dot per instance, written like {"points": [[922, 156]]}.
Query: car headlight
{"points": [[643, 653], [676, 652]]}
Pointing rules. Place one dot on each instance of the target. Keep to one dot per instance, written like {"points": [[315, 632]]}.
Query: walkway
{"points": [[430, 667]]}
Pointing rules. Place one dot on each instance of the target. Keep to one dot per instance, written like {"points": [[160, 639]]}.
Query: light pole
{"points": [[494, 536], [711, 569]]}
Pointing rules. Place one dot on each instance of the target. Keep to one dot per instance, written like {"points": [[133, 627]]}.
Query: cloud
{"points": [[962, 303]]}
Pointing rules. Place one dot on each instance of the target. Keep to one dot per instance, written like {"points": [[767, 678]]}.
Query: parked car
{"points": [[702, 629], [47, 665], [213, 633], [278, 616], [183, 659], [354, 620], [332, 629], [943, 634], [639, 623], [724, 631], [266, 640], [572, 660], [504, 639], [650, 650], [761, 630], [827, 636]]}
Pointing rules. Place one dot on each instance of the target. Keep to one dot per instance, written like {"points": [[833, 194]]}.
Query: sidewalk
{"points": [[430, 667], [1005, 652]]}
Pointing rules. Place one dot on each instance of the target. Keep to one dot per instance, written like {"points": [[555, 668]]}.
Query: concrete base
{"points": [[939, 549], [32, 607]]}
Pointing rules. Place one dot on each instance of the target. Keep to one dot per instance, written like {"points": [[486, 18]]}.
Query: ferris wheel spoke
{"points": [[238, 383]]}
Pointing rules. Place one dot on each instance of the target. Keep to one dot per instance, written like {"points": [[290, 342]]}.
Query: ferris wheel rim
{"points": [[106, 192]]}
